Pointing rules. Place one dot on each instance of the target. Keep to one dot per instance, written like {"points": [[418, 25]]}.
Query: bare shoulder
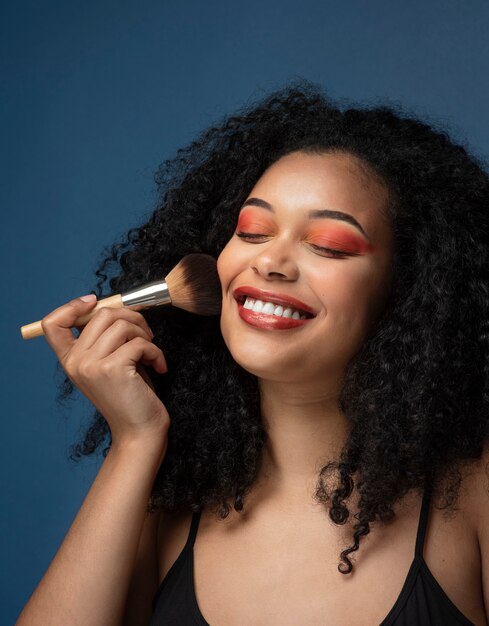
{"points": [[172, 533], [476, 495]]}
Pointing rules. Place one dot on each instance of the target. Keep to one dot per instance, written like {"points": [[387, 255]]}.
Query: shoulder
{"points": [[172, 533], [478, 488], [475, 495]]}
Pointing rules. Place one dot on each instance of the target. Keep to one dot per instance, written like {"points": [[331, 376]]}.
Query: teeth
{"points": [[272, 309]]}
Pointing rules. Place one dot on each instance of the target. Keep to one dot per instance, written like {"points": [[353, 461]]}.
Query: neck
{"points": [[306, 429]]}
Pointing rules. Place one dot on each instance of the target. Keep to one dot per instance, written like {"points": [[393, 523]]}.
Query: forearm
{"points": [[88, 580]]}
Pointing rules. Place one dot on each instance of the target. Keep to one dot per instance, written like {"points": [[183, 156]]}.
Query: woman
{"points": [[316, 455]]}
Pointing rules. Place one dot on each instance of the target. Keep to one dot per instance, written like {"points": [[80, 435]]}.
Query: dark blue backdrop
{"points": [[94, 96]]}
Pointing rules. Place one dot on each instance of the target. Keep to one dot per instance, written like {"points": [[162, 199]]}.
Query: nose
{"points": [[275, 261]]}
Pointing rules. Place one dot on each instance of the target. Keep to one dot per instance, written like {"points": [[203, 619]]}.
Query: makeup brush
{"points": [[193, 285]]}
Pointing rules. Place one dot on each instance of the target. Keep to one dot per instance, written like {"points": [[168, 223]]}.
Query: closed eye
{"points": [[320, 249], [336, 253], [243, 235]]}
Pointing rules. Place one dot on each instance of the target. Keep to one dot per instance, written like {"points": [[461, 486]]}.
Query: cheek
{"points": [[223, 273], [380, 293], [359, 301], [233, 260], [224, 261], [221, 265], [343, 288]]}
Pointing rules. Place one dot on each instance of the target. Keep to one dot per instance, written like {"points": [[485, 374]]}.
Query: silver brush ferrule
{"points": [[151, 294]]}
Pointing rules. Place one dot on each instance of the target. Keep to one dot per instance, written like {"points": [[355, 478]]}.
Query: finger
{"points": [[140, 350], [57, 325], [159, 365], [115, 336], [103, 319], [141, 369]]}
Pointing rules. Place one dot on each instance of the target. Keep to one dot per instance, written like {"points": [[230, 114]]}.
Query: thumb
{"points": [[57, 324], [91, 298]]}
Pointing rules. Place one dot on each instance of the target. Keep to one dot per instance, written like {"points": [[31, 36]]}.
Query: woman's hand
{"points": [[106, 364]]}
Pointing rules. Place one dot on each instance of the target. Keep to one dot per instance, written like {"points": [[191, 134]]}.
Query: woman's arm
{"points": [[87, 582], [145, 575]]}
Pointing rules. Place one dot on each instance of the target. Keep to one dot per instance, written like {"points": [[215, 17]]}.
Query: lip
{"points": [[276, 298], [269, 322]]}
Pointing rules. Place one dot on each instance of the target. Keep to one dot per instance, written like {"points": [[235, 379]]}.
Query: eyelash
{"points": [[336, 253]]}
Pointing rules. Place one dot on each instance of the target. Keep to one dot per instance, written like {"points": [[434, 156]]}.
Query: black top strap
{"points": [[193, 529], [423, 522]]}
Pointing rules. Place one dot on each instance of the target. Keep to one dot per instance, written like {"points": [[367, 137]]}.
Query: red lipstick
{"points": [[240, 294], [268, 322]]}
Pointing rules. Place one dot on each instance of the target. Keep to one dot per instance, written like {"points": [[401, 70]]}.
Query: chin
{"points": [[264, 363]]}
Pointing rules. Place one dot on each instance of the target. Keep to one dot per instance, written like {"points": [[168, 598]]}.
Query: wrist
{"points": [[147, 443]]}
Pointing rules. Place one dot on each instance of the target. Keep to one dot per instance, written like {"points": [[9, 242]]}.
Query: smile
{"points": [[269, 321], [269, 308], [271, 311], [269, 297]]}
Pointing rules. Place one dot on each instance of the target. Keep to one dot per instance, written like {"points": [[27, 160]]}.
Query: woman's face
{"points": [[302, 206]]}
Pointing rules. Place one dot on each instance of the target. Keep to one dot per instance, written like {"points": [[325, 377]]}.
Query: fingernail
{"points": [[91, 297]]}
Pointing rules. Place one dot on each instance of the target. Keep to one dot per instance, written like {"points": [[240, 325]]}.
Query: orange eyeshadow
{"points": [[332, 237], [254, 222]]}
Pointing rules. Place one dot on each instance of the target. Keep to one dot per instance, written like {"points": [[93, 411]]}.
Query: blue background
{"points": [[94, 95]]}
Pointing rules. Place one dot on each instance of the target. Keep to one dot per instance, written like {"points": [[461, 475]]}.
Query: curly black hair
{"points": [[416, 393]]}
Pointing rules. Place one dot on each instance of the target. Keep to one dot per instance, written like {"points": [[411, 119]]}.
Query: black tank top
{"points": [[422, 602]]}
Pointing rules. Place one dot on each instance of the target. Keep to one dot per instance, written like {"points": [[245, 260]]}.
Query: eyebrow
{"points": [[315, 214]]}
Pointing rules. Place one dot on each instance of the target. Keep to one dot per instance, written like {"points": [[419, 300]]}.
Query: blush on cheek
{"points": [[339, 238]]}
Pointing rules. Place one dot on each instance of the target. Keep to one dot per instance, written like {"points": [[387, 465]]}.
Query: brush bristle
{"points": [[194, 285]]}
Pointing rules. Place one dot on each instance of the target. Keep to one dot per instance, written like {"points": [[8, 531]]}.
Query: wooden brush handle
{"points": [[35, 329]]}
